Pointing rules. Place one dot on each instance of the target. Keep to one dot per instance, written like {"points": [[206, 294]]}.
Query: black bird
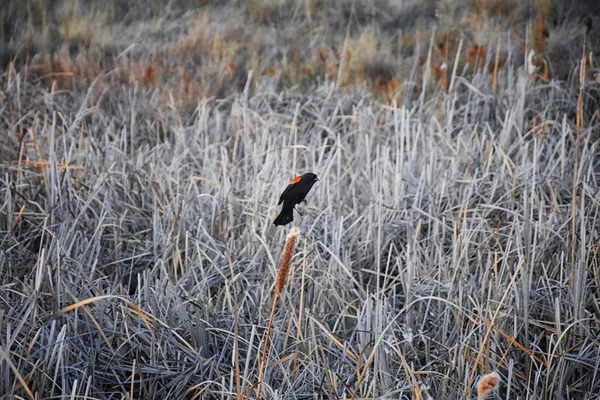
{"points": [[587, 22], [294, 194]]}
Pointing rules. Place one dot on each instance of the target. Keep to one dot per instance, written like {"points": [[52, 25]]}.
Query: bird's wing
{"points": [[287, 189]]}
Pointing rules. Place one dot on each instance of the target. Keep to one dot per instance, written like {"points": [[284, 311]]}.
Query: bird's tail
{"points": [[285, 216]]}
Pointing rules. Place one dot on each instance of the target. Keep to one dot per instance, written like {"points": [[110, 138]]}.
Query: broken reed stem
{"points": [[443, 80], [444, 66], [496, 63], [281, 275], [577, 133]]}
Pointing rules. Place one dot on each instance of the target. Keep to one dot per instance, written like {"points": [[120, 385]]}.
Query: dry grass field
{"points": [[455, 231]]}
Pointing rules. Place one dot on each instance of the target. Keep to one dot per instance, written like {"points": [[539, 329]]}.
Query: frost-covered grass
{"points": [[445, 240], [453, 233]]}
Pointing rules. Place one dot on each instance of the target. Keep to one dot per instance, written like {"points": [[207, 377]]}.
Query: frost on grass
{"points": [[447, 235]]}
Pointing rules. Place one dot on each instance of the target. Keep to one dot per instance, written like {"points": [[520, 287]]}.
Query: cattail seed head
{"points": [[487, 385], [286, 258]]}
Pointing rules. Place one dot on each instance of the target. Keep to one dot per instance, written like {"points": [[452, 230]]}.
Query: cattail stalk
{"points": [[282, 274], [577, 277]]}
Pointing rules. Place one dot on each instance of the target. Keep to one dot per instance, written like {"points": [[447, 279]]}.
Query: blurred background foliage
{"points": [[195, 48]]}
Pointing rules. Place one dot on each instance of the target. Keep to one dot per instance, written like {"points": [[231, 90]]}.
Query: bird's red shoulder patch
{"points": [[296, 180]]}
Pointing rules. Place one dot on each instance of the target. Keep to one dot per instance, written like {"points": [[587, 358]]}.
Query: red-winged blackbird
{"points": [[294, 194]]}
